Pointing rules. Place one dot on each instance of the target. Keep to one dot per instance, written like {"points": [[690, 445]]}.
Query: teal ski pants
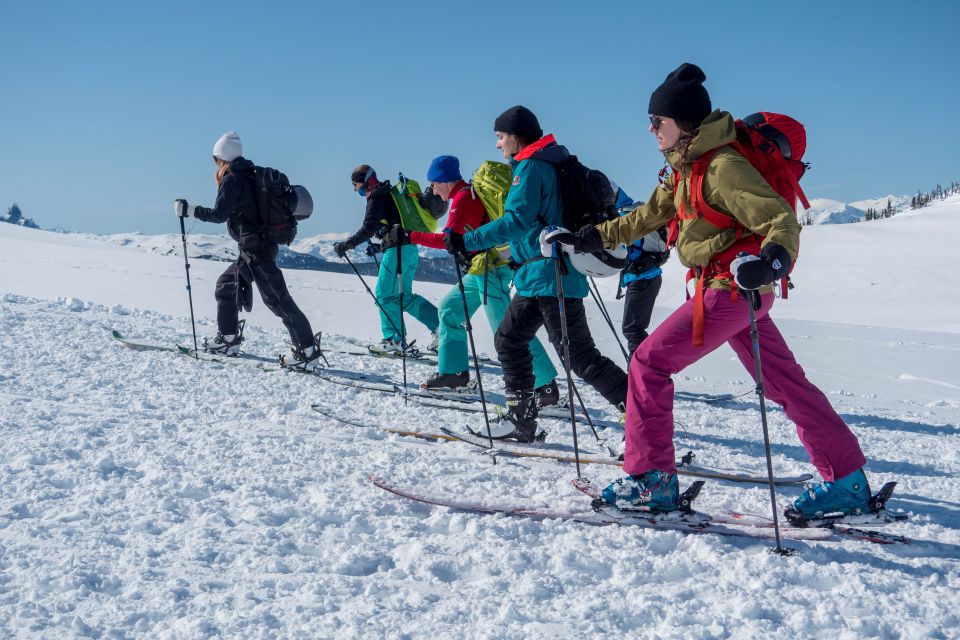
{"points": [[388, 293], [453, 355]]}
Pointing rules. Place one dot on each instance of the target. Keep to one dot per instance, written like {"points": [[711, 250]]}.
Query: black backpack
{"points": [[282, 205], [586, 194]]}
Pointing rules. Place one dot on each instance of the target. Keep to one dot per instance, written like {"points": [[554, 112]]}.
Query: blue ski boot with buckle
{"points": [[656, 491], [846, 496]]}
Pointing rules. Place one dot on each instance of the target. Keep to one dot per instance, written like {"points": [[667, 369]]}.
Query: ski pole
{"points": [[753, 301], [473, 350], [403, 329], [186, 263], [565, 342], [375, 301], [586, 415], [606, 316]]}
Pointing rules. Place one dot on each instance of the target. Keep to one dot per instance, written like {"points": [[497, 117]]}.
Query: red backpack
{"points": [[774, 144]]}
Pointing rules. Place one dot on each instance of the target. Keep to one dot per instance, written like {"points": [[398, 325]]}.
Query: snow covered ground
{"points": [[146, 495]]}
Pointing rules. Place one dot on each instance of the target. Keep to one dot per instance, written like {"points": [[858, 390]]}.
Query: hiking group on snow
{"points": [[545, 225]]}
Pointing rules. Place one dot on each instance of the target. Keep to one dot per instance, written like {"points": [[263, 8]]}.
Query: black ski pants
{"points": [[520, 324], [637, 310], [234, 292]]}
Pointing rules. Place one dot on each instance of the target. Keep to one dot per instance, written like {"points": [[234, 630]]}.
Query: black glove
{"points": [[373, 249], [395, 237], [752, 272], [586, 240], [341, 248], [778, 259], [453, 241]]}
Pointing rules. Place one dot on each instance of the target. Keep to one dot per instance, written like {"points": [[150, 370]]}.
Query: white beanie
{"points": [[228, 147]]}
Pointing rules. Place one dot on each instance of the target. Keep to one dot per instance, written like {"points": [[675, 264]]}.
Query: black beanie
{"points": [[519, 121], [682, 96]]}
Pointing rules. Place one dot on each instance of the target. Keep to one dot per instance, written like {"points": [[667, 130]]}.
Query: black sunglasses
{"points": [[655, 122]]}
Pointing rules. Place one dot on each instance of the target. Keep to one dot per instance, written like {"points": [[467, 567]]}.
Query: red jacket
{"points": [[466, 210]]}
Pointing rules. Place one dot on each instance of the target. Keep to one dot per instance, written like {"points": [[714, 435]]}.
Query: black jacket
{"points": [[237, 206], [381, 212]]}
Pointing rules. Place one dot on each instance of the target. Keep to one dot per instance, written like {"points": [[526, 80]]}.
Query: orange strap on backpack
{"points": [[719, 266]]}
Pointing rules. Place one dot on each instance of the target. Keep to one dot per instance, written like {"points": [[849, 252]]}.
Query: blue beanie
{"points": [[444, 169]]}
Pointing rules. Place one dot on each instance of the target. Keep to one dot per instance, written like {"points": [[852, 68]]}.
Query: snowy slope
{"points": [[146, 495]]}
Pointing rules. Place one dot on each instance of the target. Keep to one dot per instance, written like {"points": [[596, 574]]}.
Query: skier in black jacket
{"points": [[237, 206], [381, 216]]}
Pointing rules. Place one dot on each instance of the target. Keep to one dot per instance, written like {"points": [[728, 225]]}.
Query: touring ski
{"points": [[595, 518], [424, 435], [685, 465]]}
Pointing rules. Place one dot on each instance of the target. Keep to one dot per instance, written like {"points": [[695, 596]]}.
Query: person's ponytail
{"points": [[223, 168]]}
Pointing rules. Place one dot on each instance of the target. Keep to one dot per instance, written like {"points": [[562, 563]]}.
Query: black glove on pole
{"points": [[186, 263], [453, 241]]}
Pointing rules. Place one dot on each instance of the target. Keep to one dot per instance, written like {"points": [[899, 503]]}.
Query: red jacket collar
{"points": [[531, 149], [457, 188]]}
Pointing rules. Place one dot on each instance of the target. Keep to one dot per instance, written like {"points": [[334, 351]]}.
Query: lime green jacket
{"points": [[731, 185]]}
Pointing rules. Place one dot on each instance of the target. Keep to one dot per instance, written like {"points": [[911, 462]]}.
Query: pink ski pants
{"points": [[832, 447]]}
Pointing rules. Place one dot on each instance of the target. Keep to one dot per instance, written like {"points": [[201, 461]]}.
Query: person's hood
{"points": [[716, 130], [546, 148], [240, 165], [380, 188]]}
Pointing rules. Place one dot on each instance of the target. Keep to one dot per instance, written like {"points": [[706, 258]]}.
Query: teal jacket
{"points": [[534, 198]]}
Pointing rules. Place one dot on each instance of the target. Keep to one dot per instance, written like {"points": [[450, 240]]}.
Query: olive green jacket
{"points": [[731, 185]]}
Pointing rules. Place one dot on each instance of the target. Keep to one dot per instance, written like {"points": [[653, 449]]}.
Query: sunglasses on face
{"points": [[655, 122]]}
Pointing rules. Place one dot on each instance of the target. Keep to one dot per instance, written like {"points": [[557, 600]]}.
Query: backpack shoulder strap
{"points": [[702, 208], [259, 183]]}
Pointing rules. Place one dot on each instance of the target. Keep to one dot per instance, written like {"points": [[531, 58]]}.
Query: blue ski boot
{"points": [[831, 501], [656, 491]]}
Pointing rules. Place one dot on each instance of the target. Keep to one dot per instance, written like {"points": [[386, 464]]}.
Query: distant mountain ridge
{"points": [[314, 253], [827, 211]]}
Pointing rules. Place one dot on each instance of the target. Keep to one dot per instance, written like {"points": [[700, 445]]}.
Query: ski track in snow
{"points": [[143, 494]]}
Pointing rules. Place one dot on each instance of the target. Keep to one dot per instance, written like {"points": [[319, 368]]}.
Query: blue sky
{"points": [[109, 110]]}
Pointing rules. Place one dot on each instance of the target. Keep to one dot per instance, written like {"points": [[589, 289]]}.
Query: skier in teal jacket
{"points": [[533, 203]]}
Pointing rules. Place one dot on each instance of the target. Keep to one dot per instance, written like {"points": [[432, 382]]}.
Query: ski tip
{"points": [[586, 486]]}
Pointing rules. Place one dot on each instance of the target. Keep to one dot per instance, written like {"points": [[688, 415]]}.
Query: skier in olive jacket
{"points": [[686, 128]]}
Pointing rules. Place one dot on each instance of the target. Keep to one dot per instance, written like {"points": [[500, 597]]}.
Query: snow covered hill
{"points": [[143, 494], [825, 211], [897, 202]]}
